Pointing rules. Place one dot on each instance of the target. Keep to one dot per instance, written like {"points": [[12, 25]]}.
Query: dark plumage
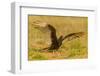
{"points": [[57, 42]]}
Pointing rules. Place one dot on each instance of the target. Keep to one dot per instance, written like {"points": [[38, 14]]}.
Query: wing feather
{"points": [[73, 36]]}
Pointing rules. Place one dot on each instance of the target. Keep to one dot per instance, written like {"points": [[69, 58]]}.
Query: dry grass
{"points": [[39, 39]]}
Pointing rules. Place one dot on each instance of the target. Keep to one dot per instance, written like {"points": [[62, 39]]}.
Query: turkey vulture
{"points": [[57, 42]]}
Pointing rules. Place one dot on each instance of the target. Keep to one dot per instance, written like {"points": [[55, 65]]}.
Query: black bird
{"points": [[57, 42]]}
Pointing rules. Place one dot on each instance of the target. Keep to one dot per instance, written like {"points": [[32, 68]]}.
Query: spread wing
{"points": [[53, 35], [73, 36]]}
